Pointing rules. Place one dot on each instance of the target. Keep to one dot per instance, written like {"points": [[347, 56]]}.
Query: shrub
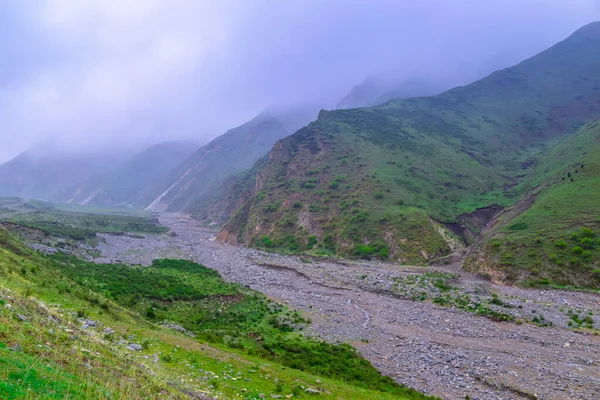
{"points": [[577, 250], [587, 233], [518, 226], [586, 255], [575, 237], [150, 314], [587, 243], [266, 241], [312, 241], [371, 250], [378, 194], [297, 204], [334, 185], [271, 207], [561, 244]]}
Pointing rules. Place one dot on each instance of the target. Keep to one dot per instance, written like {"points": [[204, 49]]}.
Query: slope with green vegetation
{"points": [[135, 182], [552, 236], [384, 181], [72, 329], [76, 222]]}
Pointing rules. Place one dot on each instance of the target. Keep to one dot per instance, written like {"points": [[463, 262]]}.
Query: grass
{"points": [[45, 351]]}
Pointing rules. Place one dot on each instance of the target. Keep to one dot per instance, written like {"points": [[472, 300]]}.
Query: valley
{"points": [[450, 350], [420, 240]]}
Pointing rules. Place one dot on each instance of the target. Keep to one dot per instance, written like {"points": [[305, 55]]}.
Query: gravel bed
{"points": [[445, 351]]}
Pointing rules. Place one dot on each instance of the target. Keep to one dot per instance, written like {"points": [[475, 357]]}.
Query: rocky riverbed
{"points": [[435, 329]]}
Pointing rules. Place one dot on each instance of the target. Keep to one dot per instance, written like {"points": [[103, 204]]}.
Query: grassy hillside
{"points": [[383, 181], [70, 329], [136, 181], [76, 222], [553, 234]]}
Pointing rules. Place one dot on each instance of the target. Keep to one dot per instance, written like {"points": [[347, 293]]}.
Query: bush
{"points": [[587, 233], [518, 226], [586, 255], [561, 244], [266, 241], [378, 194], [587, 243], [150, 314], [577, 250], [370, 250]]}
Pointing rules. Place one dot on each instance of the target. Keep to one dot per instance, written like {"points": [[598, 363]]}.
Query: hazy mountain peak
{"points": [[589, 31]]}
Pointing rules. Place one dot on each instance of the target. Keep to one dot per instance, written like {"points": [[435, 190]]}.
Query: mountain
{"points": [[44, 170], [136, 181], [377, 89], [414, 180], [196, 183]]}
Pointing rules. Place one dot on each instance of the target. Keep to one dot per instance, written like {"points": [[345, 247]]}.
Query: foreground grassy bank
{"points": [[70, 329]]}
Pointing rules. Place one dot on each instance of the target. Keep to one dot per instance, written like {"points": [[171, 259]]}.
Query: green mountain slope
{"points": [[197, 182], [385, 181], [72, 329], [135, 182], [553, 234]]}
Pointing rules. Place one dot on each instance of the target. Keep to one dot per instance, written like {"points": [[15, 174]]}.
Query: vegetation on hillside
{"points": [[555, 239], [71, 329], [75, 222], [385, 181]]}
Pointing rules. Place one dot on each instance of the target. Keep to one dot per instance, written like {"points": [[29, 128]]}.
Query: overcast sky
{"points": [[93, 72]]}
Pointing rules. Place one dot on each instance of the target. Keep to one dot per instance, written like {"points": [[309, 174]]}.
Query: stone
{"points": [[135, 347]]}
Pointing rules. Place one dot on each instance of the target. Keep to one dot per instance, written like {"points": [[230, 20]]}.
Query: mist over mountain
{"points": [[46, 169], [379, 88], [97, 74], [134, 182]]}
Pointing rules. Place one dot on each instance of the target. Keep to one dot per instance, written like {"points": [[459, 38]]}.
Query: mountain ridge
{"points": [[382, 181]]}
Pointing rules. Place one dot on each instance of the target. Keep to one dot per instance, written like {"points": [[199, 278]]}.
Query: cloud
{"points": [[93, 73]]}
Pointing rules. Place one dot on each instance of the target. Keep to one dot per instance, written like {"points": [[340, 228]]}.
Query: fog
{"points": [[90, 74]]}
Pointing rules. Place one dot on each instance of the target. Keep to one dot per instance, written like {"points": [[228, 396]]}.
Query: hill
{"points": [[136, 181], [195, 184], [551, 235], [43, 171], [396, 180]]}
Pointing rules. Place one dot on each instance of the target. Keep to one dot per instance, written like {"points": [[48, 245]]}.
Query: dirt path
{"points": [[439, 350]]}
